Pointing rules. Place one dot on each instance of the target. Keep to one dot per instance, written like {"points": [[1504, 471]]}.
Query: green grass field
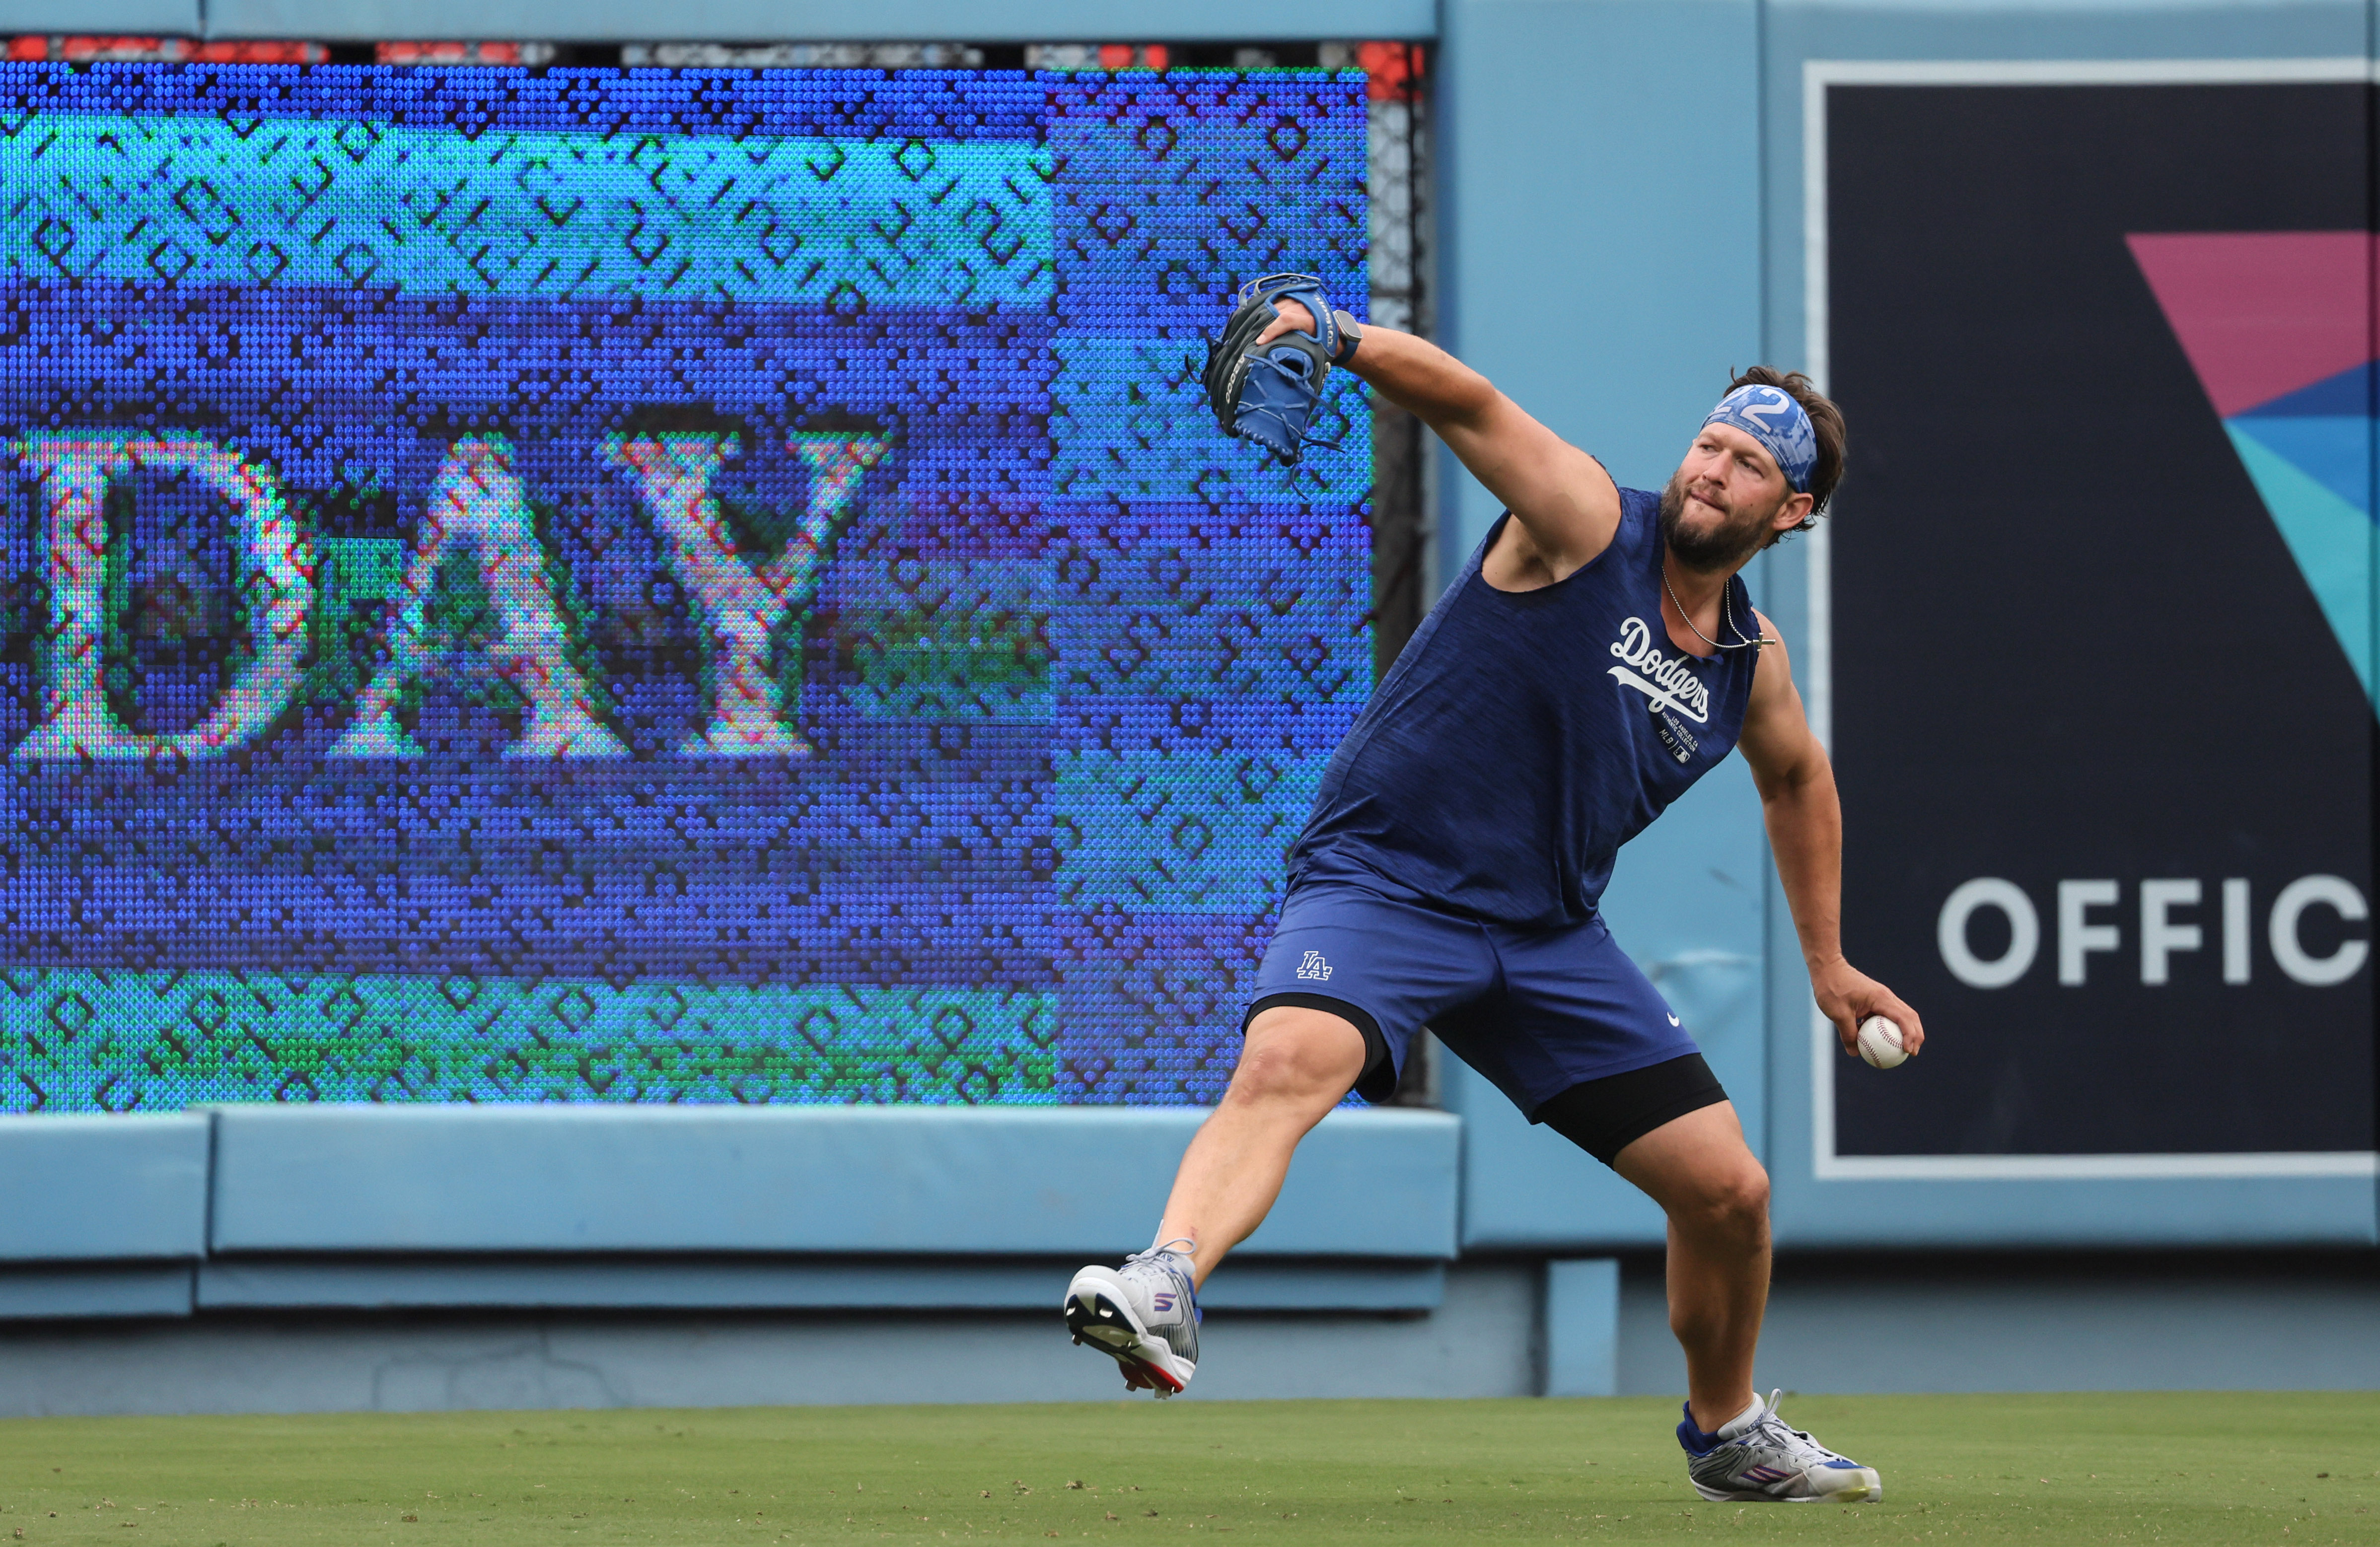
{"points": [[2292, 1468]]}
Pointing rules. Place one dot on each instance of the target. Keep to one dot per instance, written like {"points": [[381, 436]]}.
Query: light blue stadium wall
{"points": [[1619, 188]]}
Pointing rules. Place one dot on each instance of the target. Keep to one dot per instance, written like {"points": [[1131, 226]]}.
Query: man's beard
{"points": [[1721, 548]]}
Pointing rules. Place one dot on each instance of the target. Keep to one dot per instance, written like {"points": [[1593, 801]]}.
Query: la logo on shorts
{"points": [[1314, 969]]}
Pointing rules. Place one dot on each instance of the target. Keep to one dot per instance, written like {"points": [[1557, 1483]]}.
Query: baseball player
{"points": [[1598, 655]]}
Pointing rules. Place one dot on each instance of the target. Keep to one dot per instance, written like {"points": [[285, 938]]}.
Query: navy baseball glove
{"points": [[1269, 395]]}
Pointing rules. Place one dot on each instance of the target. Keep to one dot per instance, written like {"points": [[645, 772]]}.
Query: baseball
{"points": [[1879, 1042]]}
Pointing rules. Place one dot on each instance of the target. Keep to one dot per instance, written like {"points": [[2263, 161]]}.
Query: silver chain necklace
{"points": [[1726, 613]]}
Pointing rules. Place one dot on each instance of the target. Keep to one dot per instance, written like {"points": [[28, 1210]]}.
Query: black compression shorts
{"points": [[1604, 1116]]}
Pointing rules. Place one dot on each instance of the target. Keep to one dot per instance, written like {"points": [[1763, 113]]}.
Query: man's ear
{"points": [[1792, 513]]}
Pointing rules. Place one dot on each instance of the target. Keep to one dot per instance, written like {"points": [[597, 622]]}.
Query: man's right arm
{"points": [[1566, 505]]}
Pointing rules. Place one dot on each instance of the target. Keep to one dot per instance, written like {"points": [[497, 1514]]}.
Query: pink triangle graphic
{"points": [[2262, 314]]}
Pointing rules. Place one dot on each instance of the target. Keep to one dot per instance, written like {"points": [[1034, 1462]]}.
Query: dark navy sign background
{"points": [[660, 586], [2101, 687]]}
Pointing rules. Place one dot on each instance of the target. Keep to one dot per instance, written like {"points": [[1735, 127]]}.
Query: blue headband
{"points": [[1770, 415]]}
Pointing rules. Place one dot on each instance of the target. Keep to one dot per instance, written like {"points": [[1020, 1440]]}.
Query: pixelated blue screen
{"points": [[656, 586]]}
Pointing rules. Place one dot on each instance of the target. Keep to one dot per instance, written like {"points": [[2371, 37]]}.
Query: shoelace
{"points": [[1771, 1424]]}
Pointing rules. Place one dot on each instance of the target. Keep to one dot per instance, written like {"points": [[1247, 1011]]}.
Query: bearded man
{"points": [[1596, 655]]}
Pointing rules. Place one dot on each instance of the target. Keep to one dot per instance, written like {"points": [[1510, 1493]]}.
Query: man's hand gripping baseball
{"points": [[1846, 996]]}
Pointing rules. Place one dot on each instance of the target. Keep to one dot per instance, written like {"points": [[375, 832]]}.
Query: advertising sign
{"points": [[2100, 668]]}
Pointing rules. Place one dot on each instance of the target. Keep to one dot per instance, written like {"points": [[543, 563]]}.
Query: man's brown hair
{"points": [[1824, 418]]}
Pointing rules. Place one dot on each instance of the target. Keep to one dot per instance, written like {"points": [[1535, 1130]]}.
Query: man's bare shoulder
{"points": [[1772, 638], [1772, 679]]}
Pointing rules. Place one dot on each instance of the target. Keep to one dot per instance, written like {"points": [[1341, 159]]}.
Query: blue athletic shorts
{"points": [[1537, 1010]]}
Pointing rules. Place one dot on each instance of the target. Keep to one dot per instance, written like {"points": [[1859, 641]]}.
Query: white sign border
{"points": [[1817, 75]]}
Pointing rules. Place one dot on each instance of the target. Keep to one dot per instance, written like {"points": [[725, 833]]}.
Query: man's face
{"points": [[1728, 500]]}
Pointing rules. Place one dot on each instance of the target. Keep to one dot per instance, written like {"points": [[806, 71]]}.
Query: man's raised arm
{"points": [[1566, 503]]}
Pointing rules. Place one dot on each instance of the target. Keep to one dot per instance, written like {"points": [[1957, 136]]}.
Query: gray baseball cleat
{"points": [[1766, 1462], [1144, 1315]]}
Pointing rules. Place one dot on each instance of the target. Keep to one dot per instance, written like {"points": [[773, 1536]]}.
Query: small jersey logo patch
{"points": [[1314, 969]]}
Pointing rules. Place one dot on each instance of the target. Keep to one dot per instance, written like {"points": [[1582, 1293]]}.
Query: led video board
{"points": [[655, 586]]}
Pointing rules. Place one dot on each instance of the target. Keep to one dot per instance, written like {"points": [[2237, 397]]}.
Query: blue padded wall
{"points": [[839, 1179], [101, 1188]]}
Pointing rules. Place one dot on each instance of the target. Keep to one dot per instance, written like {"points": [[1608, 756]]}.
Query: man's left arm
{"points": [[1805, 832]]}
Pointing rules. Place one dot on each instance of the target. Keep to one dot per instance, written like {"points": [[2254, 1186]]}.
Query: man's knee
{"points": [[1731, 1200], [1298, 1055]]}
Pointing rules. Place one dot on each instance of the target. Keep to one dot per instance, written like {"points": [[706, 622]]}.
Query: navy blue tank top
{"points": [[1524, 736]]}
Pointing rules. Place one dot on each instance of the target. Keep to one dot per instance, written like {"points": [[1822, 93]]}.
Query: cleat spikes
{"points": [[1143, 1316]]}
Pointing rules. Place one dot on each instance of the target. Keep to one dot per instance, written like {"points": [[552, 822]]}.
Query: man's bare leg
{"points": [[1699, 1169], [1296, 1065]]}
